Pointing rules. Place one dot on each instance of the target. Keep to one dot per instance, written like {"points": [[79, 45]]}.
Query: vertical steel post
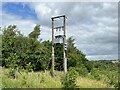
{"points": [[52, 47], [64, 51]]}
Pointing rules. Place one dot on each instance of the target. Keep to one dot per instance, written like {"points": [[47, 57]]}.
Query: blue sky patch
{"points": [[19, 9]]}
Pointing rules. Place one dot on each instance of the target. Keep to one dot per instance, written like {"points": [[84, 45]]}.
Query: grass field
{"points": [[44, 80]]}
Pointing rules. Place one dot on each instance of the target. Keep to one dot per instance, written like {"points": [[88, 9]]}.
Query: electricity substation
{"points": [[59, 39]]}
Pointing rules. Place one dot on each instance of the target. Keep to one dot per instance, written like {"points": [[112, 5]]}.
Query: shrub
{"points": [[117, 85], [96, 74], [42, 79], [50, 72], [82, 71], [69, 81], [11, 73], [24, 80], [112, 79], [28, 67]]}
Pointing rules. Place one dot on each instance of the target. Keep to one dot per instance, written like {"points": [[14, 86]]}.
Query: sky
{"points": [[93, 25]]}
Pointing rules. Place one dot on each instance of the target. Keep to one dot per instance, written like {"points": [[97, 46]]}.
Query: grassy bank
{"points": [[44, 80]]}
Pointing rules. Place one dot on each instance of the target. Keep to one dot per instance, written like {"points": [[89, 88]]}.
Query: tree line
{"points": [[32, 53], [19, 51]]}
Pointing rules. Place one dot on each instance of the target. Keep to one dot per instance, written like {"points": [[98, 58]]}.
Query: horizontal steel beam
{"points": [[58, 27], [58, 17]]}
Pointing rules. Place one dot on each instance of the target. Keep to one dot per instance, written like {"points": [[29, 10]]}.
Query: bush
{"points": [[117, 86], [28, 67], [42, 79], [96, 74], [24, 80], [82, 71], [69, 81], [112, 79], [11, 73]]}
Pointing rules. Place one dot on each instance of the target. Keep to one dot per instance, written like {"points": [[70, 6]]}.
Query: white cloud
{"points": [[0, 13], [104, 57], [46, 33], [25, 26], [43, 9], [93, 25], [99, 40]]}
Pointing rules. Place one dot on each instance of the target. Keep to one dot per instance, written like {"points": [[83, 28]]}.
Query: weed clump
{"points": [[11, 73], [69, 81]]}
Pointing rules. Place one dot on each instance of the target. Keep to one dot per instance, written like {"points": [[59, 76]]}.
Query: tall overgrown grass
{"points": [[44, 80]]}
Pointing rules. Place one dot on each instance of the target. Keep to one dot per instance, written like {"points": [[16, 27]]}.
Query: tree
{"points": [[75, 56], [34, 34], [19, 50], [8, 52], [58, 56]]}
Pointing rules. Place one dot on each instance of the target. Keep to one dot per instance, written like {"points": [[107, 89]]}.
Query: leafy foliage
{"points": [[30, 52], [117, 85], [69, 81], [20, 51], [11, 73], [34, 34]]}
